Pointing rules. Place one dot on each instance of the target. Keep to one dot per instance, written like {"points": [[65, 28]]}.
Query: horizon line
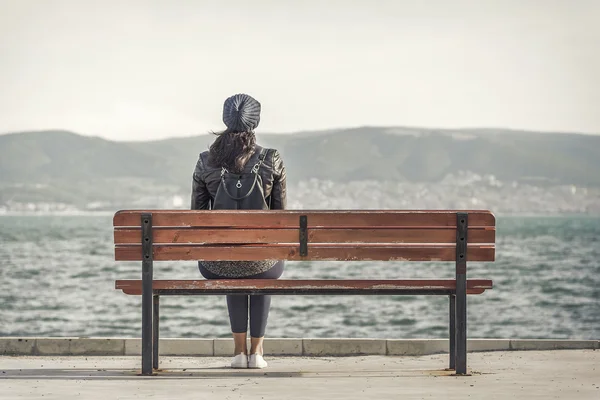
{"points": [[323, 130]]}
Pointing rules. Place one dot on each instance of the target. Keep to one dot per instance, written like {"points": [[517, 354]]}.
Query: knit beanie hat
{"points": [[241, 113]]}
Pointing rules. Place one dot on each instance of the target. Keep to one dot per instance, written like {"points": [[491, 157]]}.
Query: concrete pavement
{"points": [[553, 374]]}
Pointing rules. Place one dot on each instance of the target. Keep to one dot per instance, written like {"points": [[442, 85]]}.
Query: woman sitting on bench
{"points": [[236, 173]]}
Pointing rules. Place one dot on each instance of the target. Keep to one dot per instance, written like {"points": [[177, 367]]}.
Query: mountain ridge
{"points": [[478, 130], [74, 162]]}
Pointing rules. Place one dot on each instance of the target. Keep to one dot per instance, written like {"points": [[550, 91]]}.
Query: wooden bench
{"points": [[386, 235]]}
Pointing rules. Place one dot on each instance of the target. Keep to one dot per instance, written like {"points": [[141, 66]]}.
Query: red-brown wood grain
{"points": [[474, 286], [290, 218], [324, 252], [290, 235]]}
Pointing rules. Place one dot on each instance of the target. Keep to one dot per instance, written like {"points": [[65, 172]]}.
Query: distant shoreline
{"points": [[56, 213]]}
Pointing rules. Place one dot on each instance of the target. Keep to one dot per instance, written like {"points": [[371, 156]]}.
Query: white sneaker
{"points": [[240, 361], [256, 361]]}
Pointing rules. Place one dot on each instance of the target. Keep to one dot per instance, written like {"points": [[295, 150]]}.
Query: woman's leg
{"points": [[238, 314], [238, 319], [259, 310], [259, 313], [260, 306]]}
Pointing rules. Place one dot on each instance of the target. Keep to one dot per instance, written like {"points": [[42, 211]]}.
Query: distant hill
{"points": [[70, 163]]}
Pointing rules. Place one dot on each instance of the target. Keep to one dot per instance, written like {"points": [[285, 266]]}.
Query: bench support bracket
{"points": [[147, 261], [461, 294], [303, 236]]}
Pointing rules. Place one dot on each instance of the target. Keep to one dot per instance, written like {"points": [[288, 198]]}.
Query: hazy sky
{"points": [[153, 69]]}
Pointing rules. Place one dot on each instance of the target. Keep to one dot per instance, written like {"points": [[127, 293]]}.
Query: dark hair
{"points": [[232, 150]]}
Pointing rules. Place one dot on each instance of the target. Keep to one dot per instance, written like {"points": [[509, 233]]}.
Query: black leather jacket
{"points": [[207, 178]]}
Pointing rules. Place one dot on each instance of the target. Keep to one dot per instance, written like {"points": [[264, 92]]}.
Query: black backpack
{"points": [[242, 191]]}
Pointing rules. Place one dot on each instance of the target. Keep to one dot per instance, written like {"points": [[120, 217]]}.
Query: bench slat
{"points": [[324, 252], [289, 235], [290, 218], [281, 286]]}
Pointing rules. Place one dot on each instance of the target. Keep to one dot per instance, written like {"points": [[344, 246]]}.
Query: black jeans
{"points": [[238, 304]]}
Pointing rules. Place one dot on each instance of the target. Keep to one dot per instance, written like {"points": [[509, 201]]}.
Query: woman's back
{"points": [[207, 179], [236, 173]]}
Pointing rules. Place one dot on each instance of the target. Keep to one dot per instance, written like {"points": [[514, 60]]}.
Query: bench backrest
{"points": [[349, 235]]}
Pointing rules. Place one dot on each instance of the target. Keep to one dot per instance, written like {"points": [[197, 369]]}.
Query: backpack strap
{"points": [[261, 159], [263, 153], [255, 168]]}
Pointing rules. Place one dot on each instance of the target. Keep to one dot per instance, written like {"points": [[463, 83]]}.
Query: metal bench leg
{"points": [[146, 326], [155, 336], [461, 325], [452, 332], [461, 293], [147, 294]]}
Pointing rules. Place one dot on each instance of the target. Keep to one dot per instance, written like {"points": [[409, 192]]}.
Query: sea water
{"points": [[57, 278]]}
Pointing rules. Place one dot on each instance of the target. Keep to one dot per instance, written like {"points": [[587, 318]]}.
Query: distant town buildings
{"points": [[465, 190]]}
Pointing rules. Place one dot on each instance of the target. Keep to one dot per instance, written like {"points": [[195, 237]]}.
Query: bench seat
{"points": [[301, 286]]}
